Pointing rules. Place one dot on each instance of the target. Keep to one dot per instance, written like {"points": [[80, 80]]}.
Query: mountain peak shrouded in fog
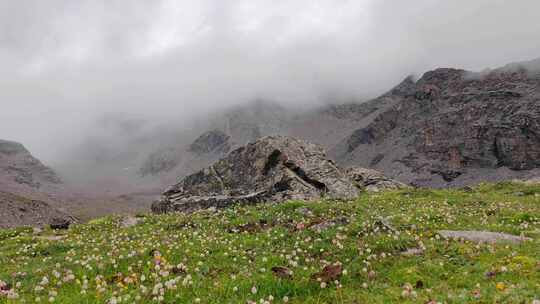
{"points": [[65, 64]]}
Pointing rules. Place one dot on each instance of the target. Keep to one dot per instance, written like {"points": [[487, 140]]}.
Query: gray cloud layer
{"points": [[64, 62]]}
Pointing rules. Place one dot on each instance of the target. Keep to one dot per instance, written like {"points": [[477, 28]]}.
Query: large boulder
{"points": [[373, 180], [274, 168], [58, 223]]}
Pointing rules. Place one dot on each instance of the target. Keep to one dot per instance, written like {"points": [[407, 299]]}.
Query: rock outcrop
{"points": [[274, 168], [225, 131], [483, 236], [373, 180], [59, 223], [453, 127]]}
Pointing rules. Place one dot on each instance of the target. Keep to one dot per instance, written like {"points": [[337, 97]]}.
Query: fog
{"points": [[65, 64]]}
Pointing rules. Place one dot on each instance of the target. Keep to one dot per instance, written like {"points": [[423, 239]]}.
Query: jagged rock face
{"points": [[17, 211], [214, 141], [18, 167], [373, 180], [273, 168], [451, 123], [488, 122]]}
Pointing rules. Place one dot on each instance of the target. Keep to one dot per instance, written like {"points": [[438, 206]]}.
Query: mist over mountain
{"points": [[67, 64]]}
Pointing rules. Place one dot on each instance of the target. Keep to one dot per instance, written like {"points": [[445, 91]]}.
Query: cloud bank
{"points": [[67, 63]]}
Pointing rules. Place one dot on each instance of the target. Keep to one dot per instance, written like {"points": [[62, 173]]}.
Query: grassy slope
{"points": [[210, 256]]}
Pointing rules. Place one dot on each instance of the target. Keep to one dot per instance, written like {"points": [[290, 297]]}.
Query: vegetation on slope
{"points": [[382, 248]]}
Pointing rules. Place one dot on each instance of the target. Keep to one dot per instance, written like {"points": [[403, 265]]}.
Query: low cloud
{"points": [[65, 63]]}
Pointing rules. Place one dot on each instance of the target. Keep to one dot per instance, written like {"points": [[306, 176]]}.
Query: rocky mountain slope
{"points": [[232, 129], [20, 171], [448, 128], [454, 127], [25, 188], [16, 210], [206, 142], [451, 127]]}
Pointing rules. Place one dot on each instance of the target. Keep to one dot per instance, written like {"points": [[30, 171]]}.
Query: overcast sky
{"points": [[63, 62]]}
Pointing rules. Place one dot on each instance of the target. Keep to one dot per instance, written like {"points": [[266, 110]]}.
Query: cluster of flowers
{"points": [[7, 291]]}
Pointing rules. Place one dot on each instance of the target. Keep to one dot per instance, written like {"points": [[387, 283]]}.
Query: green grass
{"points": [[223, 256]]}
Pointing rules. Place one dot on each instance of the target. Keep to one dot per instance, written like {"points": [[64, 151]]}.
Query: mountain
{"points": [[20, 171], [450, 127], [27, 189], [222, 132], [454, 127], [240, 125]]}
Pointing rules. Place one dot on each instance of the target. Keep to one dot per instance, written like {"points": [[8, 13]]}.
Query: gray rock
{"points": [[274, 168], [413, 252], [483, 236], [304, 211], [51, 237], [129, 221], [60, 223], [453, 128], [528, 181], [385, 224], [330, 223], [373, 180]]}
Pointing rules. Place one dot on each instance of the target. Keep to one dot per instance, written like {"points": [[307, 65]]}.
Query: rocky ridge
{"points": [[453, 127], [26, 187], [20, 170], [373, 180]]}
